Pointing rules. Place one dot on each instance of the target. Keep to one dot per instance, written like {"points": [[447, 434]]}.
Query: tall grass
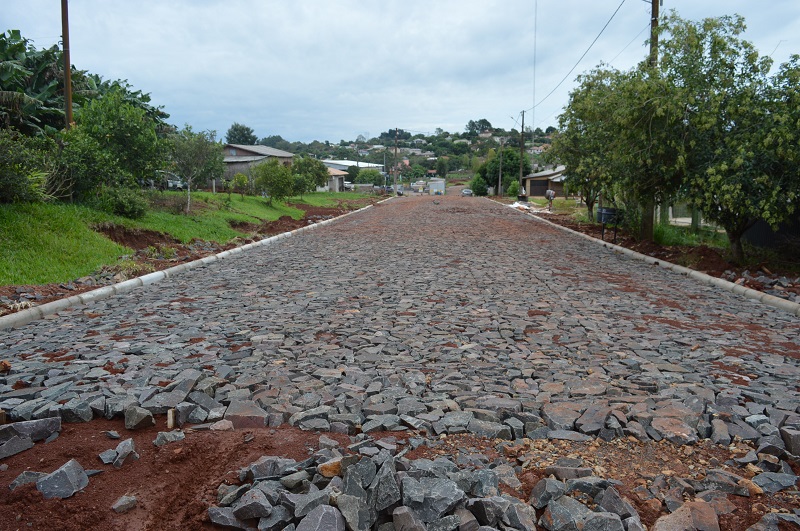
{"points": [[671, 235]]}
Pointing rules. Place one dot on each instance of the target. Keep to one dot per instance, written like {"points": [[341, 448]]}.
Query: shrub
{"points": [[478, 186], [513, 189], [23, 162], [125, 202]]}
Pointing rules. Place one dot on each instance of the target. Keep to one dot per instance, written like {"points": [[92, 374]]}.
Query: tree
{"points": [[550, 130], [741, 132], [370, 176], [479, 186], [196, 157], [313, 170], [510, 165], [241, 134], [583, 144], [126, 132], [352, 173], [441, 167], [274, 179], [240, 183]]}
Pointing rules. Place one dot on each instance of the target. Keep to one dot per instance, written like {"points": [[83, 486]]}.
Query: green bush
{"points": [[513, 189], [23, 167], [478, 186], [125, 202]]}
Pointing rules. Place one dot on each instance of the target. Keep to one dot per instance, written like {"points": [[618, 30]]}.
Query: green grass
{"points": [[46, 243], [43, 243], [671, 235]]}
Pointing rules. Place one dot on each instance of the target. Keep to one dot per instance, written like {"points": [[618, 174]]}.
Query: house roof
{"points": [[246, 158], [333, 172], [547, 175], [262, 150]]}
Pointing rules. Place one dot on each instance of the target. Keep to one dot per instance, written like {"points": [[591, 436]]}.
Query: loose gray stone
{"points": [[76, 410], [137, 418], [63, 482], [223, 516], [358, 514], [165, 437], [431, 498], [545, 491], [15, 445], [26, 477], [124, 504], [125, 449], [252, 504], [603, 522], [384, 490], [564, 514], [323, 518], [488, 511], [774, 481], [405, 519]]}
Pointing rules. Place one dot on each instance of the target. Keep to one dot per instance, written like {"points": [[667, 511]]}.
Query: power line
{"points": [[626, 46], [581, 58]]}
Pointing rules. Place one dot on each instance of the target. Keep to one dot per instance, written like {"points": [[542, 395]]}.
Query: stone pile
{"points": [[369, 485]]}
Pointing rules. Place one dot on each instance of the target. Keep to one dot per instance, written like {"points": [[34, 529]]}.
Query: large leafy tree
{"points": [[126, 133], [241, 134], [197, 157], [742, 127]]}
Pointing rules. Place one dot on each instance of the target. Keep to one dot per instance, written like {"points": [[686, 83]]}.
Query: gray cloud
{"points": [[333, 70]]}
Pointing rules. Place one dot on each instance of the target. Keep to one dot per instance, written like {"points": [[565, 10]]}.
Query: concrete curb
{"points": [[27, 315], [764, 298]]}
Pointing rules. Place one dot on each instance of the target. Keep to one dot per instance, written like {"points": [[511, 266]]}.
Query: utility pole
{"points": [[395, 161], [67, 63], [521, 154], [654, 32]]}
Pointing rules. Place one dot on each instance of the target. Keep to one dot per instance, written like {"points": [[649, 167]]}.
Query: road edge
{"points": [[28, 315]]}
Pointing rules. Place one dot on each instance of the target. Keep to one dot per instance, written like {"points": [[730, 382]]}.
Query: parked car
{"points": [[466, 192], [348, 185], [170, 181]]}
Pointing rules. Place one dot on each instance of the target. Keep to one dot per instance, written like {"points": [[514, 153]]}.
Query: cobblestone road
{"points": [[452, 314]]}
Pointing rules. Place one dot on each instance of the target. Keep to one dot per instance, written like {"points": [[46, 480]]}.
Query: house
{"points": [[436, 186], [537, 183], [240, 158], [335, 181]]}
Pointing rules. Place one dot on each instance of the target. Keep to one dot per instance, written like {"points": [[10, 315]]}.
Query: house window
{"points": [[232, 152]]}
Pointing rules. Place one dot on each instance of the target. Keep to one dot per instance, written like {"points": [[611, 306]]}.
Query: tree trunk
{"points": [[648, 215], [663, 214], [590, 207], [695, 219], [188, 196], [737, 251]]}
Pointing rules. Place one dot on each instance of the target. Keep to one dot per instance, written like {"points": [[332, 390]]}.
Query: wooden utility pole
{"points": [[654, 32], [521, 154], [647, 229], [67, 64]]}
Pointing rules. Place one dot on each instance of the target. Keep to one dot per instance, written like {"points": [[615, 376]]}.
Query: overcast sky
{"points": [[335, 69]]}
